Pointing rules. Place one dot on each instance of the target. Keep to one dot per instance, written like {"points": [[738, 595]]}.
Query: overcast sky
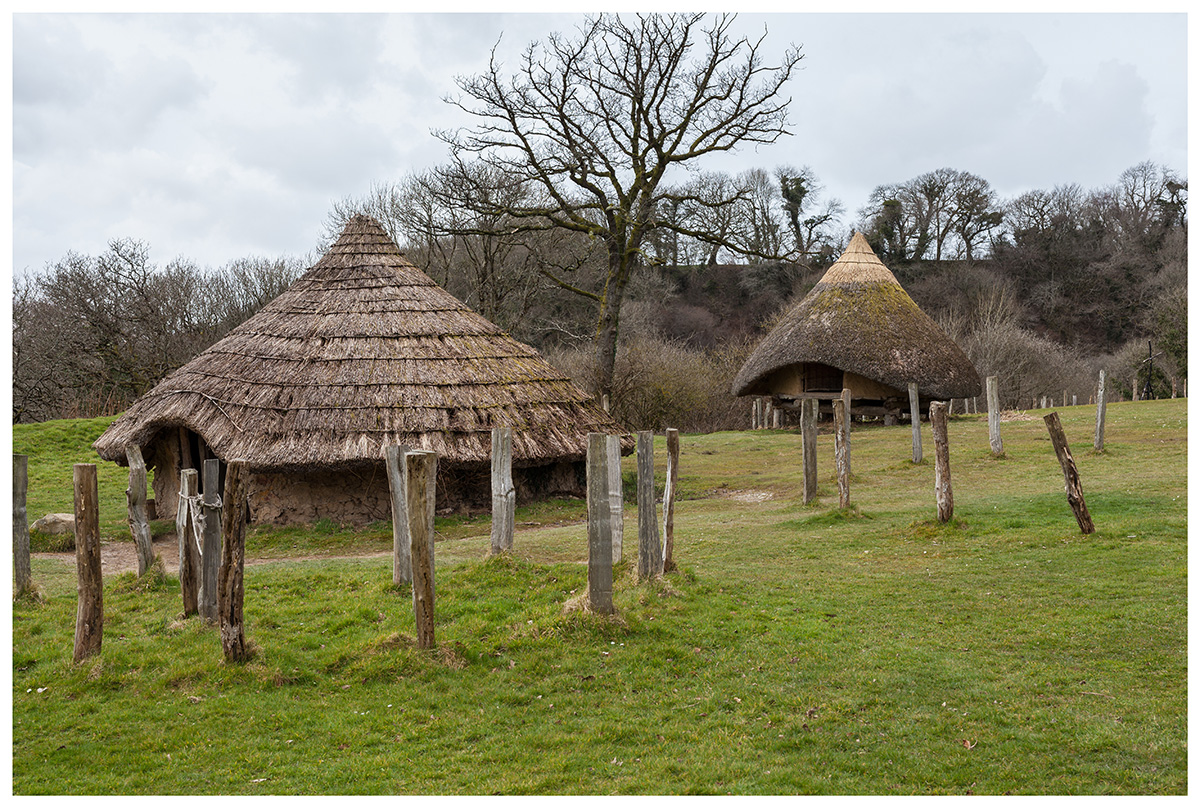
{"points": [[220, 136]]}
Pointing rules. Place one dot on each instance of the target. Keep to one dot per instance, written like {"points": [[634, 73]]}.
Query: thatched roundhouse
{"points": [[362, 351], [858, 329]]}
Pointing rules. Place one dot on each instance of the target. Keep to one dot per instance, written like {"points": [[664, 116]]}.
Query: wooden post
{"points": [[1098, 443], [669, 494], [210, 552], [1075, 400], [398, 488], [846, 426], [841, 452], [616, 496], [189, 552], [1070, 473], [650, 555], [808, 440], [89, 617], [768, 413], [231, 576], [777, 418], [422, 476], [1135, 387], [599, 512], [135, 500], [914, 407], [993, 401], [941, 465], [21, 568], [504, 495]]}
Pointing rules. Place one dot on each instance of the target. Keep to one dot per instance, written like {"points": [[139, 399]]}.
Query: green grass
{"points": [[798, 650]]}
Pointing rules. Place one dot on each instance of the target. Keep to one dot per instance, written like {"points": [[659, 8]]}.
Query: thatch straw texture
{"points": [[362, 351], [859, 319]]}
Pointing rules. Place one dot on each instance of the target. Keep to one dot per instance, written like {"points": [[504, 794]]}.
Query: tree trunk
{"points": [[599, 514], [230, 578], [89, 617]]}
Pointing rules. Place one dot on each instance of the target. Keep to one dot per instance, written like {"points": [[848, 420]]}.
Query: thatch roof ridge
{"points": [[364, 350], [859, 318]]}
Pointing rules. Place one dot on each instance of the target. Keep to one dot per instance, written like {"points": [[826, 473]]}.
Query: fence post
{"points": [[1070, 473], [1098, 443], [21, 567], [650, 557], [941, 464], [401, 544], [846, 426], [841, 451], [616, 496], [422, 479], [231, 590], [189, 553], [89, 617], [504, 495], [135, 500], [599, 512], [669, 494], [210, 555], [993, 402], [808, 441], [914, 408]]}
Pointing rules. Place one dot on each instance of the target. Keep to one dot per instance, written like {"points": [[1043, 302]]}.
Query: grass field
{"points": [[798, 650]]}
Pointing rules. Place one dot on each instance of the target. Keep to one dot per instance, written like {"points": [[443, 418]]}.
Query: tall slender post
{"points": [[422, 476], [231, 590], [846, 425], [135, 499], [669, 494], [993, 401], [616, 496], [210, 555], [914, 408], [941, 467], [841, 451], [398, 489], [189, 553], [89, 617], [1070, 473], [21, 567], [808, 441], [599, 512], [650, 556], [1098, 443], [504, 495]]}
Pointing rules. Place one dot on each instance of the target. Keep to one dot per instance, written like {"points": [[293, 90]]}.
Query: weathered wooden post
{"points": [[669, 494], [650, 554], [914, 407], [1098, 443], [808, 442], [993, 402], [841, 452], [1070, 473], [189, 552], [768, 414], [398, 489], [21, 567], [1134, 387], [422, 476], [89, 617], [504, 495], [231, 591], [616, 496], [210, 554], [135, 499], [941, 464], [599, 512], [1075, 400], [846, 426]]}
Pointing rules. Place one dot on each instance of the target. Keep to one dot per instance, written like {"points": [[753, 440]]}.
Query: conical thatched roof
{"points": [[859, 319], [362, 351]]}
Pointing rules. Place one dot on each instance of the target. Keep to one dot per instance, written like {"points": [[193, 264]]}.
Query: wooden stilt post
{"points": [[841, 452], [21, 567], [210, 555], [616, 496], [398, 488], [504, 495], [422, 477], [941, 467], [135, 499], [600, 540], [89, 617], [846, 426], [1098, 443], [914, 407], [808, 441], [189, 553], [993, 403], [650, 557], [669, 494], [1070, 473], [231, 588]]}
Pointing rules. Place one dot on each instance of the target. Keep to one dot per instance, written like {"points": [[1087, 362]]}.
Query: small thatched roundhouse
{"points": [[858, 330], [362, 351]]}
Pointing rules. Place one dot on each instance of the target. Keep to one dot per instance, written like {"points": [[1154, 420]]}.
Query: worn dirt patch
{"points": [[744, 495]]}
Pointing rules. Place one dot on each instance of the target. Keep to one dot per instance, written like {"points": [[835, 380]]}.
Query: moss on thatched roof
{"points": [[859, 319], [362, 351]]}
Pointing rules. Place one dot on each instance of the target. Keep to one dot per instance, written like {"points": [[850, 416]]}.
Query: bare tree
{"points": [[596, 122]]}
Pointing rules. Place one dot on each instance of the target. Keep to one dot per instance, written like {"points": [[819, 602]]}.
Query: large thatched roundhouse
{"points": [[858, 329], [362, 351]]}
